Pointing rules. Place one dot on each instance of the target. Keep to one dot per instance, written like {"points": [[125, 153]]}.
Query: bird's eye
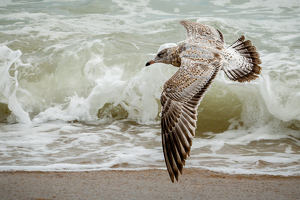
{"points": [[159, 55]]}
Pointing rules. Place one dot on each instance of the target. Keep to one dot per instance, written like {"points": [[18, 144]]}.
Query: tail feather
{"points": [[242, 61]]}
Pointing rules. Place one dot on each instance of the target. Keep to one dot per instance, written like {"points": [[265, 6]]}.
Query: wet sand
{"points": [[146, 184]]}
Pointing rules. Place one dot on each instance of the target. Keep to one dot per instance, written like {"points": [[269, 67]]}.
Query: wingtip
{"points": [[182, 22], [171, 177], [176, 177]]}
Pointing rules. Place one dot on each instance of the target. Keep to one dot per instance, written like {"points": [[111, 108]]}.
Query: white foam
{"points": [[9, 84], [283, 102], [220, 2]]}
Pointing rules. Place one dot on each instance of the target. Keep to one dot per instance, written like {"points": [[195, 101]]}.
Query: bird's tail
{"points": [[242, 61]]}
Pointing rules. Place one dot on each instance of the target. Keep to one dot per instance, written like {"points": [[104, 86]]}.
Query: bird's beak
{"points": [[150, 62]]}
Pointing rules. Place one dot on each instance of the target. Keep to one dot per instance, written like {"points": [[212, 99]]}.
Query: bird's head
{"points": [[164, 56]]}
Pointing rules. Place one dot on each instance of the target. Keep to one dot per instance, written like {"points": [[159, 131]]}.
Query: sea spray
{"points": [[10, 61]]}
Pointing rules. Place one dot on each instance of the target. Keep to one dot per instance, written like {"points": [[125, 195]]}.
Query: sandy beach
{"points": [[145, 184]]}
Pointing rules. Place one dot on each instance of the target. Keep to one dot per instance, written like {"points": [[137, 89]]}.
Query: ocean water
{"points": [[75, 93]]}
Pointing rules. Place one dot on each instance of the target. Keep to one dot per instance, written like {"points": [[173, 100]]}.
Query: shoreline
{"points": [[145, 184]]}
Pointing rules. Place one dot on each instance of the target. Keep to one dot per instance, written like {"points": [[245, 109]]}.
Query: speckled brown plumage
{"points": [[199, 59]]}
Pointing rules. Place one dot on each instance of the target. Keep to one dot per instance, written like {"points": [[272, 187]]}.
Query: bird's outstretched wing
{"points": [[201, 33], [180, 99]]}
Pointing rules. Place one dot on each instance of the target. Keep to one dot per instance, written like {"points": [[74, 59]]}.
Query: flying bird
{"points": [[199, 60]]}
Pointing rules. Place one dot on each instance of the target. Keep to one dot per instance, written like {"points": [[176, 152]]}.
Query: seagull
{"points": [[199, 60]]}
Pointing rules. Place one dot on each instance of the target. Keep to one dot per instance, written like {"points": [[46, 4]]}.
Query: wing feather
{"points": [[201, 33], [180, 99], [165, 149]]}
